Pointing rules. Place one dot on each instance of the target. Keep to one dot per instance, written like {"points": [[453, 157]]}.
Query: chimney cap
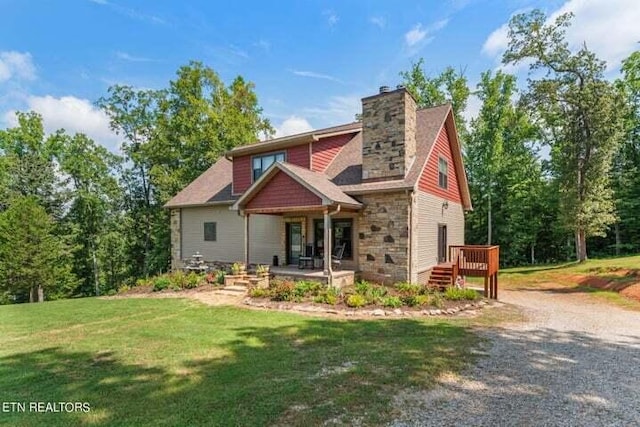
{"points": [[384, 89]]}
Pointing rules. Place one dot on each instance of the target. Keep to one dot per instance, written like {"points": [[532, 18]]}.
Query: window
{"points": [[210, 232], [262, 163], [443, 172], [341, 233]]}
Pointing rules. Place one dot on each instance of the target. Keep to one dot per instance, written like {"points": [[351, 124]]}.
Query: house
{"points": [[391, 189]]}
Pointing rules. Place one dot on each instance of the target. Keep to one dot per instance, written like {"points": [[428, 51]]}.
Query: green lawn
{"points": [[575, 277], [177, 362]]}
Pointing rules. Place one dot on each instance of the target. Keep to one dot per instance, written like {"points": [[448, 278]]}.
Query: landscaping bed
{"points": [[364, 299]]}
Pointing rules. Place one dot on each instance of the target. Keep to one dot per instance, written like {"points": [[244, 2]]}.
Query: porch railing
{"points": [[477, 261]]}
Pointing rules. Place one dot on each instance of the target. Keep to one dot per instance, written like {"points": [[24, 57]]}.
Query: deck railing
{"points": [[478, 261]]}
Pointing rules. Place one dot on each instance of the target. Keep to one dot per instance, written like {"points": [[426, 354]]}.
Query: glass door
{"points": [[294, 242], [442, 243]]}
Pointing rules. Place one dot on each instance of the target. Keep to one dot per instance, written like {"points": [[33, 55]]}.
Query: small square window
{"points": [[210, 232], [443, 172]]}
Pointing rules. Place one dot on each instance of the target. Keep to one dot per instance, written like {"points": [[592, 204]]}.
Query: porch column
{"points": [[327, 245], [246, 240]]}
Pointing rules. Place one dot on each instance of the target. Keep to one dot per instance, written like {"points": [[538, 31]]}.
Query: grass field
{"points": [[601, 278], [176, 362]]}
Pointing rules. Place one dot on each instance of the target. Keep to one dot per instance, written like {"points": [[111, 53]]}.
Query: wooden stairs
{"points": [[441, 276]]}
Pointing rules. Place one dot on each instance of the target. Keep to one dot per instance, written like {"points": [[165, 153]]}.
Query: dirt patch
{"points": [[624, 281]]}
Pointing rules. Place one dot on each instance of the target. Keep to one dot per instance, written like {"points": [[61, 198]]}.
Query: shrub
{"points": [[178, 280], [393, 302], [284, 291], [111, 292], [356, 300], [372, 293], [220, 277], [409, 289], [143, 282], [436, 300], [123, 288], [192, 280], [237, 268], [211, 278], [363, 287], [262, 269], [422, 299], [410, 300], [455, 294], [259, 292], [160, 283], [305, 288], [330, 295]]}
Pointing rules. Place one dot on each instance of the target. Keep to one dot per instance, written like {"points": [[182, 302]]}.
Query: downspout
{"points": [[412, 196]]}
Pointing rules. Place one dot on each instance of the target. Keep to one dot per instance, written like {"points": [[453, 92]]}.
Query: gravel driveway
{"points": [[575, 362]]}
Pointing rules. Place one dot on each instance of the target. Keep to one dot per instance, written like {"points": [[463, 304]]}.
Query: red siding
{"points": [[429, 177], [241, 174], [324, 151], [298, 155], [283, 191]]}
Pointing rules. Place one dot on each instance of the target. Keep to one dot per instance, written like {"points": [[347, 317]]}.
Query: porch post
{"points": [[246, 240], [327, 245]]}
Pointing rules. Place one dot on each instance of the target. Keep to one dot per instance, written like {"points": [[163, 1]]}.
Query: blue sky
{"points": [[311, 61]]}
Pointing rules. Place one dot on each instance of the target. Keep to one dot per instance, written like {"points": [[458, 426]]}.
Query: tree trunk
{"points": [[618, 239], [36, 294], [96, 279], [533, 253], [489, 219], [40, 294], [581, 245]]}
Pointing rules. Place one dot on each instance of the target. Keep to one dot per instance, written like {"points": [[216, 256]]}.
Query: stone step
{"points": [[240, 283], [236, 288], [231, 293]]}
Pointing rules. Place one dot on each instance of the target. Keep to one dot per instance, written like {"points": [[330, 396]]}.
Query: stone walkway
{"points": [[575, 362]]}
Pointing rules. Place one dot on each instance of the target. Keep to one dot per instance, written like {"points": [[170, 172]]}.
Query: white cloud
{"points": [[609, 28], [419, 35], [132, 58], [332, 17], [497, 41], [314, 75], [16, 65], [72, 114], [338, 110], [293, 125], [378, 21], [415, 35]]}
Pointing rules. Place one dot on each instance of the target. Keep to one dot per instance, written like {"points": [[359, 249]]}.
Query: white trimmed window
{"points": [[443, 173], [262, 163]]}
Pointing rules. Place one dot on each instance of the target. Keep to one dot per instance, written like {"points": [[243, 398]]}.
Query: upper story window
{"points": [[443, 173], [262, 162]]}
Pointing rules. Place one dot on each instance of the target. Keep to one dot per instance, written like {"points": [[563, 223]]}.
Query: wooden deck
{"points": [[477, 261]]}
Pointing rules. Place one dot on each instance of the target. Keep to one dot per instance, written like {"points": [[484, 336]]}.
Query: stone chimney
{"points": [[388, 134]]}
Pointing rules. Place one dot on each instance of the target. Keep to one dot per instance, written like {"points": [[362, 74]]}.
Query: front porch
{"points": [[339, 278]]}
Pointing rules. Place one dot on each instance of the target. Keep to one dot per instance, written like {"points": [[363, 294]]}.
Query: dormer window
{"points": [[262, 162], [443, 173]]}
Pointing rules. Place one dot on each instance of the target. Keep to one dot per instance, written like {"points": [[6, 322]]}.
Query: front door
{"points": [[294, 242], [442, 243]]}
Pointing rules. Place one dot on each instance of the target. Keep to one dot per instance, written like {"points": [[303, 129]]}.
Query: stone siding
{"points": [[388, 135], [383, 237]]}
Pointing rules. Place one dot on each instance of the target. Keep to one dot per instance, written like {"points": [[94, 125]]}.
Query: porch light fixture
{"points": [[445, 205]]}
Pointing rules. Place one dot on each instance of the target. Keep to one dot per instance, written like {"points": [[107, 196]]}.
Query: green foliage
{"points": [[356, 300], [305, 288], [331, 295], [422, 300], [32, 258], [436, 300], [455, 294], [410, 289], [161, 283], [259, 293], [578, 111], [220, 277], [283, 290], [448, 86], [178, 279], [193, 280], [236, 268], [392, 301]]}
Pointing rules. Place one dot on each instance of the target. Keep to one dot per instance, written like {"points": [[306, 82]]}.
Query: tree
{"points": [[28, 165], [448, 86], [578, 111], [32, 258], [95, 196], [505, 175]]}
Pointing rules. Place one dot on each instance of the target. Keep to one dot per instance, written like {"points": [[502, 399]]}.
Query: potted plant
{"points": [[262, 270]]}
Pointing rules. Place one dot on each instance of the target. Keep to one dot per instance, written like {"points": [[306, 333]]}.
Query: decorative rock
{"points": [[378, 312]]}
